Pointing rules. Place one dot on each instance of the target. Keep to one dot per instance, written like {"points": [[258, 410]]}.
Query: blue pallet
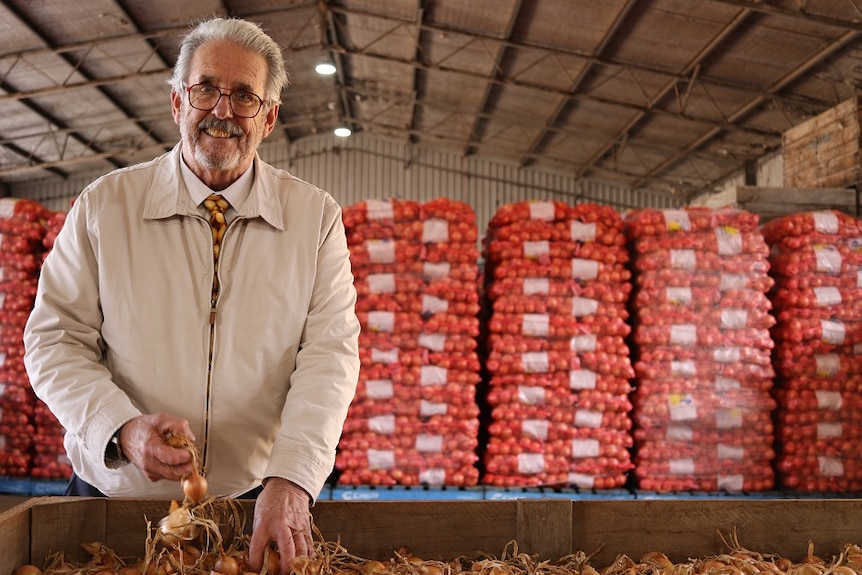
{"points": [[39, 487], [15, 485], [404, 493]]}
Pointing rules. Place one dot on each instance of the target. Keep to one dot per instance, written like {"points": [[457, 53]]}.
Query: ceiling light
{"points": [[342, 132], [325, 69]]}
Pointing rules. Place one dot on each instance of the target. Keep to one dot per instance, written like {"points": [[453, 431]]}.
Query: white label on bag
{"points": [[830, 400], [723, 383], [433, 375], [733, 452], [382, 424], [582, 232], [833, 331], [685, 334], [535, 324], [379, 389], [433, 304], [585, 269], [379, 210], [826, 222], [678, 295], [732, 281], [733, 318], [829, 430], [827, 364], [684, 368], [543, 211], [535, 361], [435, 230], [581, 480], [531, 394], [381, 321], [676, 220], [583, 343], [535, 250], [530, 463], [582, 379], [827, 296], [727, 355], [433, 341], [830, 466], [381, 459], [426, 443], [381, 251], [585, 448], [429, 408], [588, 418], [433, 476], [582, 306], [681, 407], [683, 259], [385, 356], [536, 286], [729, 418], [7, 207], [729, 241], [681, 466], [436, 271], [537, 428], [733, 482], [828, 259], [381, 283], [677, 432]]}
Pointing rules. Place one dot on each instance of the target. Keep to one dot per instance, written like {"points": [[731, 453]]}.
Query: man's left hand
{"points": [[281, 515]]}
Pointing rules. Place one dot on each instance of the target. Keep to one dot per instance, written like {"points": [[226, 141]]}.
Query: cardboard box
{"points": [[770, 203], [547, 528], [824, 152]]}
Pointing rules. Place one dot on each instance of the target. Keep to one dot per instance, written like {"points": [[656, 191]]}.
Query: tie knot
{"points": [[216, 204]]}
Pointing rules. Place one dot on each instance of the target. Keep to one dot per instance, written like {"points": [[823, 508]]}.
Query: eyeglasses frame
{"points": [[224, 92]]}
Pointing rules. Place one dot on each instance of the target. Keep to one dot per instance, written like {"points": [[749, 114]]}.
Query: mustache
{"points": [[221, 125]]}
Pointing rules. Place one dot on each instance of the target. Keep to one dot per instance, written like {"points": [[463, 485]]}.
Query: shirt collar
{"points": [[236, 193]]}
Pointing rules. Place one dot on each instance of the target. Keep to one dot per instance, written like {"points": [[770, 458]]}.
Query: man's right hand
{"points": [[142, 441]]}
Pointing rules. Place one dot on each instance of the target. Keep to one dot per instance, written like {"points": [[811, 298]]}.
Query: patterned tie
{"points": [[217, 206]]}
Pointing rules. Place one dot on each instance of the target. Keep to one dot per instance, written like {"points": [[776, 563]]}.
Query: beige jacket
{"points": [[121, 328]]}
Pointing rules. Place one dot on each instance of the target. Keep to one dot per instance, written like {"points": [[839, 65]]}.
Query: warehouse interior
{"points": [[667, 97], [629, 109]]}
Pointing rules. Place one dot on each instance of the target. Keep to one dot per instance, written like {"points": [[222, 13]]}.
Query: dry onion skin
{"points": [[220, 548]]}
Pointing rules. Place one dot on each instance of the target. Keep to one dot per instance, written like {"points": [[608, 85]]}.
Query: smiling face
{"points": [[217, 145]]}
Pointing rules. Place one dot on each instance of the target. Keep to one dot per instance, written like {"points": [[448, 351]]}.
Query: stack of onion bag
{"points": [[50, 460], [816, 262], [21, 233], [702, 407], [414, 419], [558, 364]]}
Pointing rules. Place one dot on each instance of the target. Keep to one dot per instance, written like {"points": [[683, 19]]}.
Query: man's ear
{"points": [[176, 105]]}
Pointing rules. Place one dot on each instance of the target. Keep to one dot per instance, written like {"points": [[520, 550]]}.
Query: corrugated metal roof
{"points": [[665, 95]]}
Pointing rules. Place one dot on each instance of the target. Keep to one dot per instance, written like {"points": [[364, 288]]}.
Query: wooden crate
{"points": [[546, 528], [771, 203], [824, 152]]}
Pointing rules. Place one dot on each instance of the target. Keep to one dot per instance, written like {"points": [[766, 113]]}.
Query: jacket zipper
{"points": [[213, 312]]}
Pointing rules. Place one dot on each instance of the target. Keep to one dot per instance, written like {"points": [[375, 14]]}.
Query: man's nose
{"points": [[222, 108]]}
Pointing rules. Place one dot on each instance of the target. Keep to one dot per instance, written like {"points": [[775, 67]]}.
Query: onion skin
{"points": [[28, 570], [195, 487]]}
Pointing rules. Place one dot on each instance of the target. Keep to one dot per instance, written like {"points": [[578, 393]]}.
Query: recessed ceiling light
{"points": [[342, 132], [325, 69]]}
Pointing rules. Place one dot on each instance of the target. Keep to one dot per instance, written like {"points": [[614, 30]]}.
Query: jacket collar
{"points": [[167, 196]]}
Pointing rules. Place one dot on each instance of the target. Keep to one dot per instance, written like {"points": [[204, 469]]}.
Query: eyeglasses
{"points": [[206, 97]]}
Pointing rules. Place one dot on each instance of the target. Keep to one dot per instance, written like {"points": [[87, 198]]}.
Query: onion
{"points": [[28, 570], [178, 526], [226, 564], [195, 488]]}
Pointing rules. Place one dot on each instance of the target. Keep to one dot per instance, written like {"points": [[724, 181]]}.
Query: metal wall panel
{"points": [[364, 167]]}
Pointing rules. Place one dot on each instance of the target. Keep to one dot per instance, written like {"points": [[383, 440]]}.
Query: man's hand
{"points": [[142, 440], [281, 515]]}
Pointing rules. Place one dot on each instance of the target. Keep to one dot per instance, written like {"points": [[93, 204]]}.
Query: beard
{"points": [[221, 153]]}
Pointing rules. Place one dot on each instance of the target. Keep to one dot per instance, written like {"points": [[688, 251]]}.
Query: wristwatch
{"points": [[113, 452]]}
